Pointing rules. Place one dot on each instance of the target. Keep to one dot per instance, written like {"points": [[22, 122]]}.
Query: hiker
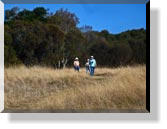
{"points": [[76, 64], [87, 66], [92, 63]]}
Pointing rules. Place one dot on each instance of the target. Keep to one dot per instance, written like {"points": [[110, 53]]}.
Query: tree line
{"points": [[37, 37]]}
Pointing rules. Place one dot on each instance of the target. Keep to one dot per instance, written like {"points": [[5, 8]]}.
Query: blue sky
{"points": [[115, 18]]}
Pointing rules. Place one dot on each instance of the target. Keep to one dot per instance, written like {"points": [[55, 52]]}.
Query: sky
{"points": [[116, 18]]}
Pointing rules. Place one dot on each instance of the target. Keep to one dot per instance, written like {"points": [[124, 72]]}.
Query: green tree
{"points": [[75, 46], [64, 19], [10, 57], [10, 14]]}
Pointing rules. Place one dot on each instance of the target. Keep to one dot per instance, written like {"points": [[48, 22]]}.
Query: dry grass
{"points": [[39, 88]]}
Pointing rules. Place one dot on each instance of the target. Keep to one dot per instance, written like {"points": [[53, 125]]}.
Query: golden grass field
{"points": [[47, 89]]}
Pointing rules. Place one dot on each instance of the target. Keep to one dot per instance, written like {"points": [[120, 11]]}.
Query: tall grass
{"points": [[41, 88]]}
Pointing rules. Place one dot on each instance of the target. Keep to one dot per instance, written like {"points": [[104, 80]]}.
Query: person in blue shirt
{"points": [[92, 64]]}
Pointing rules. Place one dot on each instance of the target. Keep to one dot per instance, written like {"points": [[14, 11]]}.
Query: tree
{"points": [[40, 13], [9, 14], [25, 15], [100, 50], [10, 57], [56, 44], [65, 19], [121, 54], [75, 45]]}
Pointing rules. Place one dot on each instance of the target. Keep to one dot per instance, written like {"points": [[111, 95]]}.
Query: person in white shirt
{"points": [[87, 66], [76, 64]]}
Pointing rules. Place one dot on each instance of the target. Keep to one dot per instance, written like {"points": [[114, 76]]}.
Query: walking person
{"points": [[92, 64], [76, 64], [87, 66]]}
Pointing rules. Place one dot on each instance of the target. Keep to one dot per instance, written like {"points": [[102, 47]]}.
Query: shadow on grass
{"points": [[103, 74]]}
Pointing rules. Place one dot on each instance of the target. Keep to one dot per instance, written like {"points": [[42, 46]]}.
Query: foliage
{"points": [[40, 38]]}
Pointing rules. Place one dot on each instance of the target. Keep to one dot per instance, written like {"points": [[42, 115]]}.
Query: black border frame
{"points": [[148, 56]]}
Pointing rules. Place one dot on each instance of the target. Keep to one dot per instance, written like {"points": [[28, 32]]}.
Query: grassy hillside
{"points": [[47, 89]]}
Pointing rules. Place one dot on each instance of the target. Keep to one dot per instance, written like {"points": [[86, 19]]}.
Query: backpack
{"points": [[95, 62]]}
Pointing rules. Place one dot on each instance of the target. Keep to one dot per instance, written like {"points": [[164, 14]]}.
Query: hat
{"points": [[91, 57], [76, 58]]}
